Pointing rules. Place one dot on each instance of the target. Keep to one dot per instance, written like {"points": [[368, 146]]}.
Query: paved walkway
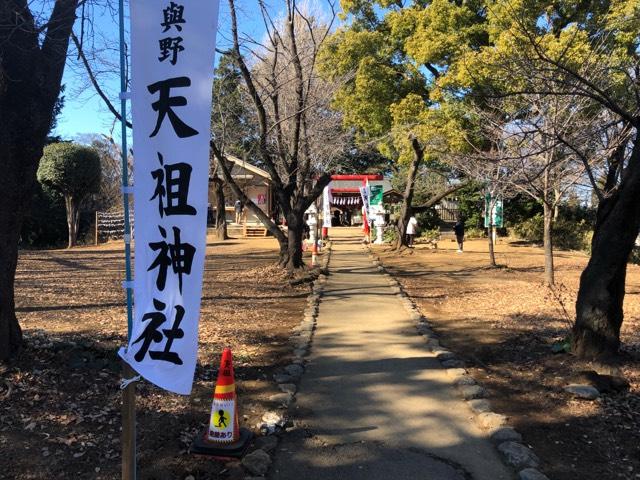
{"points": [[374, 403]]}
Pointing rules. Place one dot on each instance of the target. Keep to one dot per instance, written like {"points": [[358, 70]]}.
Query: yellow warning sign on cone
{"points": [[223, 437]]}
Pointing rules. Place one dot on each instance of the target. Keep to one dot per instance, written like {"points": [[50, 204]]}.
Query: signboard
{"points": [[376, 195], [222, 420], [172, 49], [493, 218]]}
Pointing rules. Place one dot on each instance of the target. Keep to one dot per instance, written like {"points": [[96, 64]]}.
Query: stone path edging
{"points": [[257, 462], [506, 439]]}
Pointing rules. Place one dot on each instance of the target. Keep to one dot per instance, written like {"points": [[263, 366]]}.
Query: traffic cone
{"points": [[223, 438]]}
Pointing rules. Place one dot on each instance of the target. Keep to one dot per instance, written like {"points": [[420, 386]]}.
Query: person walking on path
{"points": [[412, 227], [238, 208], [458, 228]]}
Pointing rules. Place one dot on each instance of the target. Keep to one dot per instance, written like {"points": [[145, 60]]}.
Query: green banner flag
{"points": [[495, 217], [376, 195]]}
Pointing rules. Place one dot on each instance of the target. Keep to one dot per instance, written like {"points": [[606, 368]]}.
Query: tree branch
{"points": [[264, 218], [253, 92], [316, 191], [94, 81], [56, 45], [433, 200]]}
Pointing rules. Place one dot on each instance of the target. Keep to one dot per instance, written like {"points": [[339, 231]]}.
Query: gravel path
{"points": [[374, 403]]}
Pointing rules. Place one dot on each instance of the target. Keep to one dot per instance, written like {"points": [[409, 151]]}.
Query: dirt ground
{"points": [[503, 322], [60, 401]]}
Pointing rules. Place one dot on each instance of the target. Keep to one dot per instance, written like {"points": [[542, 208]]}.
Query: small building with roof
{"points": [[256, 184]]}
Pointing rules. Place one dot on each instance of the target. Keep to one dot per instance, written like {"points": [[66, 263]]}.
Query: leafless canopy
{"points": [[588, 112], [299, 137]]}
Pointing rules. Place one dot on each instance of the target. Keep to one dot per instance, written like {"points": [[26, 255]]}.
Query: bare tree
{"points": [[109, 196], [608, 79], [232, 129], [486, 161], [33, 51], [94, 56], [599, 313], [523, 147], [299, 137]]}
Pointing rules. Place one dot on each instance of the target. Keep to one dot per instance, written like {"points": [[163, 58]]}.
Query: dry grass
{"points": [[59, 402], [503, 322]]}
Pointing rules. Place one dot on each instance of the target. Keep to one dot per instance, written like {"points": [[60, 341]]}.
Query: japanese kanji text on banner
{"points": [[172, 50]]}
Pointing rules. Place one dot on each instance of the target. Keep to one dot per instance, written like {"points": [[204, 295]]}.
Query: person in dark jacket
{"points": [[458, 229], [306, 230], [238, 207]]}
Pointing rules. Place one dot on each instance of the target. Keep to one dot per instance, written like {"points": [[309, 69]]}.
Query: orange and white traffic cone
{"points": [[223, 437]]}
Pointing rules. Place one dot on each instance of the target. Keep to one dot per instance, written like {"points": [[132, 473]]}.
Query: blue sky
{"points": [[83, 114], [84, 111]]}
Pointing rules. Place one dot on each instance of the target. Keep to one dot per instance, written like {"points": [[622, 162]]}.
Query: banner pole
{"points": [[129, 392], [128, 412]]}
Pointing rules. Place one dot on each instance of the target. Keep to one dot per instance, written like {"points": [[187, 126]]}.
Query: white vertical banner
{"points": [[365, 194], [172, 51], [326, 206]]}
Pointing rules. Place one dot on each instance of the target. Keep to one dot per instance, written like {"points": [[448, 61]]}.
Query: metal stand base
{"points": [[201, 446]]}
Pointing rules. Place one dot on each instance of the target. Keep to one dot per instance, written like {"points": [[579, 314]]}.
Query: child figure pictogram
{"points": [[222, 420]]}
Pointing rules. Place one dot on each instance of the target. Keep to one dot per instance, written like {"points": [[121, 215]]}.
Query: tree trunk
{"points": [[547, 239], [17, 185], [291, 244], [283, 255], [221, 214], [29, 88], [599, 313], [492, 253], [407, 198], [72, 220], [10, 331], [293, 258], [19, 156]]}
